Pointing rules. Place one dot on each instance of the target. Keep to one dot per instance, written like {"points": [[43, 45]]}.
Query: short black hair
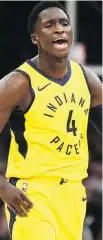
{"points": [[33, 17]]}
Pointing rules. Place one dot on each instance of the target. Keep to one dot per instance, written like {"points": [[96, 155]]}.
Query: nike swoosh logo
{"points": [[84, 199], [63, 181], [42, 88]]}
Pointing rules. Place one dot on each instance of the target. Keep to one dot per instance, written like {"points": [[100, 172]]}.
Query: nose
{"points": [[58, 28]]}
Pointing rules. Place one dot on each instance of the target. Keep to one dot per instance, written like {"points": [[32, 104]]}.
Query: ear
{"points": [[34, 39]]}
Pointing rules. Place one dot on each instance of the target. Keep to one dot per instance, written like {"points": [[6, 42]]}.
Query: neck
{"points": [[53, 67]]}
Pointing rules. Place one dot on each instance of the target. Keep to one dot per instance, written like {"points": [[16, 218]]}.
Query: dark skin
{"points": [[49, 28], [52, 24]]}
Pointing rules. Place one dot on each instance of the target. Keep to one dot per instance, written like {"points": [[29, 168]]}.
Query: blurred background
{"points": [[16, 47]]}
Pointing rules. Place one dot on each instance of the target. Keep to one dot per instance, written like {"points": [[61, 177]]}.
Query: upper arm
{"points": [[13, 89], [95, 87], [5, 139]]}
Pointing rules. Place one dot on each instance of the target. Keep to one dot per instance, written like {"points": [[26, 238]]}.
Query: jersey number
{"points": [[72, 123]]}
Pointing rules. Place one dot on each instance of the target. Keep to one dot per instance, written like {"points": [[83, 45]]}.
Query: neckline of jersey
{"points": [[61, 82]]}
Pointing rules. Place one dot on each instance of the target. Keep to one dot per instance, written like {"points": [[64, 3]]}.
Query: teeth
{"points": [[60, 39]]}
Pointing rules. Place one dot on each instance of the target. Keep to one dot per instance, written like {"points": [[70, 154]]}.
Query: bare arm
{"points": [[5, 139], [13, 90], [95, 87], [95, 116], [14, 198]]}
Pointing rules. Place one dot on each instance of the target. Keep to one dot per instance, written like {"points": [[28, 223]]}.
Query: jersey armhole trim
{"points": [[30, 88], [86, 79]]}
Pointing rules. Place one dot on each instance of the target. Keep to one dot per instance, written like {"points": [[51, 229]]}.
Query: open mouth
{"points": [[60, 41], [60, 44]]}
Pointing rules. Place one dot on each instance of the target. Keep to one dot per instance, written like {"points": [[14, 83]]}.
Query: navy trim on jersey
{"points": [[30, 87], [85, 78], [17, 125], [12, 219], [61, 82]]}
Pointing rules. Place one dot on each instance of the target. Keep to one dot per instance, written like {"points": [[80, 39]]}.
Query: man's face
{"points": [[53, 32]]}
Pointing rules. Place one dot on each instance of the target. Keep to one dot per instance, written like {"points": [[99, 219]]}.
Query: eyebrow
{"points": [[53, 19]]}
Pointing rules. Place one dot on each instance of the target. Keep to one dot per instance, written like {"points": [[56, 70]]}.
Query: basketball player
{"points": [[48, 156]]}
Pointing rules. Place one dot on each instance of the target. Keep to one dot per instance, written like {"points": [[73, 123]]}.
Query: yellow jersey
{"points": [[54, 126]]}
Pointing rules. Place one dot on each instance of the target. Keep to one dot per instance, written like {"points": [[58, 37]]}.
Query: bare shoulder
{"points": [[95, 87], [13, 88], [13, 80], [93, 79]]}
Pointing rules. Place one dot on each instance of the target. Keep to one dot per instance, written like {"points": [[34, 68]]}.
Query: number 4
{"points": [[73, 128]]}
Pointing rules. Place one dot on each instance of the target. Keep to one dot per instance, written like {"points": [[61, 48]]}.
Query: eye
{"points": [[65, 23], [48, 25]]}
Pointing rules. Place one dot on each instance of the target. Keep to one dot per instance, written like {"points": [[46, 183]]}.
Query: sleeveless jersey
{"points": [[54, 134]]}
